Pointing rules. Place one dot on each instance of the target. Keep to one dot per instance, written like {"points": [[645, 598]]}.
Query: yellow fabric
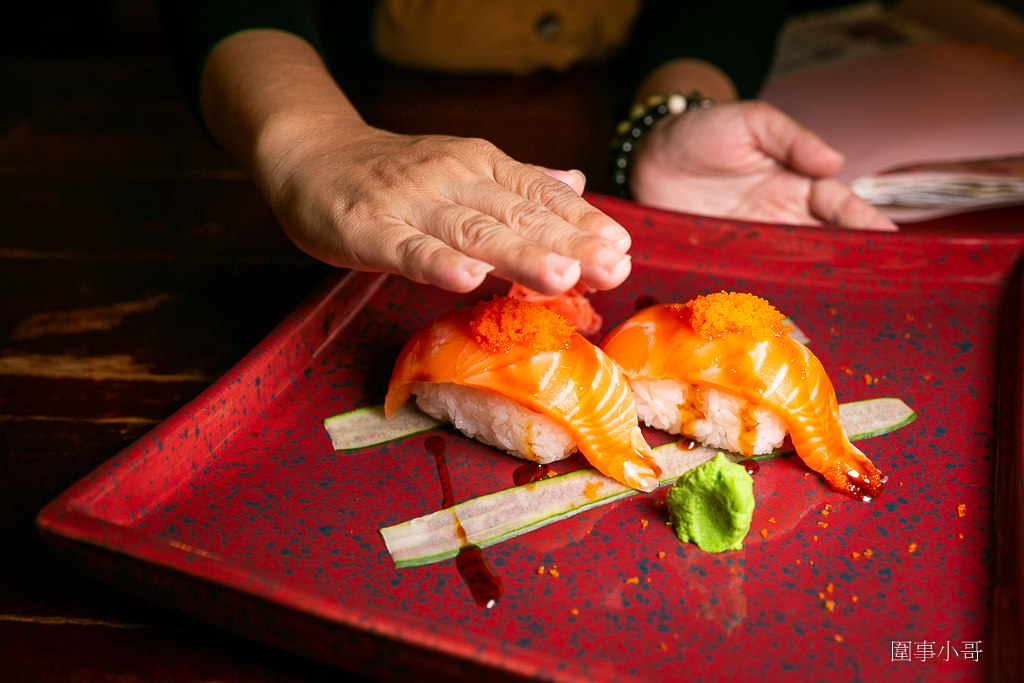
{"points": [[517, 36]]}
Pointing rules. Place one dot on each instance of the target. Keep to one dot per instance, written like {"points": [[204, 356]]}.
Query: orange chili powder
{"points": [[719, 314], [504, 323]]}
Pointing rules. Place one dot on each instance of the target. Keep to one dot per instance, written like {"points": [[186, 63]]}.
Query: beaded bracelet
{"points": [[642, 118]]}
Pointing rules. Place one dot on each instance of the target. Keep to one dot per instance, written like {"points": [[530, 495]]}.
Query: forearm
{"points": [[737, 36], [685, 76], [262, 91]]}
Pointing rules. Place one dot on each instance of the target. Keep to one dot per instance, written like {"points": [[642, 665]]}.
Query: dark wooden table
{"points": [[137, 265]]}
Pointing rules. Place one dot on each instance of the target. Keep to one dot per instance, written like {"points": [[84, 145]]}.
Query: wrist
{"points": [[687, 75], [646, 120]]}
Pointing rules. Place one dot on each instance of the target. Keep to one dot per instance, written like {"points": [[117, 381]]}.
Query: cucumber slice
{"points": [[797, 334], [506, 514], [368, 426]]}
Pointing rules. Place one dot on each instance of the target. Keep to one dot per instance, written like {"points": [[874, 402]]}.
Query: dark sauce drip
{"points": [[484, 583], [865, 491], [686, 444], [530, 473], [751, 466], [645, 301]]}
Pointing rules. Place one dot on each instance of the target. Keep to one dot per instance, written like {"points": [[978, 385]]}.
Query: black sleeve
{"points": [[737, 36], [194, 27]]}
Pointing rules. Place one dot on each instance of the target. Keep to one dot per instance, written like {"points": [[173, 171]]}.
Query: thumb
{"points": [[789, 143]]}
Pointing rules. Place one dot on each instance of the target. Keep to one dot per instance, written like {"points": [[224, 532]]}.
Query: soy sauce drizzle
{"points": [[645, 301], [530, 473], [751, 466], [484, 583]]}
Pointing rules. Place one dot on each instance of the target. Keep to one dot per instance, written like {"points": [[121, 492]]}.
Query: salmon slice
{"points": [[779, 373], [578, 387]]}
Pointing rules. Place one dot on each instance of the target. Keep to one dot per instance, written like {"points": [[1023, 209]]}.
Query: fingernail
{"points": [[474, 267], [612, 260], [561, 264], [578, 172], [618, 236]]}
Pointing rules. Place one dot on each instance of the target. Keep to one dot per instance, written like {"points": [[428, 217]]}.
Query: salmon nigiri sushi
{"points": [[723, 371], [517, 376]]}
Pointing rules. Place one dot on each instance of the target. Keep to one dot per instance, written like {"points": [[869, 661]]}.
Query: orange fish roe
{"points": [[868, 553], [590, 491], [855, 554], [633, 580], [663, 646], [504, 323], [853, 598], [661, 554], [821, 596], [764, 533], [719, 314], [771, 520], [912, 548], [838, 638], [830, 605], [575, 612], [829, 588], [554, 573], [540, 570], [643, 523], [961, 510]]}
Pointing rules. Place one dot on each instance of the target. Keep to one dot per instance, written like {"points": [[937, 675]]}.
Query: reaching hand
{"points": [[749, 161], [443, 211], [438, 210]]}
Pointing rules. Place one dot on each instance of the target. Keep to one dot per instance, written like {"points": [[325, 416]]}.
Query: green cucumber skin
{"points": [[536, 524], [374, 415], [562, 480], [370, 411]]}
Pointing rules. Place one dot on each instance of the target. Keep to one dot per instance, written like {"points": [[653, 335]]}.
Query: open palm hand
{"points": [[748, 161]]}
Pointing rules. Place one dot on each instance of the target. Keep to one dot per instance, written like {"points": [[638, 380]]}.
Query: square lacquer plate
{"points": [[238, 511]]}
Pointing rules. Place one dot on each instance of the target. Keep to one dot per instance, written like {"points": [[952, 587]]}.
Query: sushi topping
{"points": [[505, 323], [717, 315], [573, 305]]}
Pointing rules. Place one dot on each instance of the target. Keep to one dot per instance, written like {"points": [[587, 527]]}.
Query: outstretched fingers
{"points": [[398, 248], [836, 204], [517, 258], [549, 213]]}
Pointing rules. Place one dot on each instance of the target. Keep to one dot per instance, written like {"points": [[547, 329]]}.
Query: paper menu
{"points": [[924, 101]]}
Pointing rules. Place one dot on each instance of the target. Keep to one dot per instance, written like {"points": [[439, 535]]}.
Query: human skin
{"points": [[741, 160], [439, 210], [447, 211]]}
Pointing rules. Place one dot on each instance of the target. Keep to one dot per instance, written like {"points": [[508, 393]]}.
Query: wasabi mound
{"points": [[712, 505]]}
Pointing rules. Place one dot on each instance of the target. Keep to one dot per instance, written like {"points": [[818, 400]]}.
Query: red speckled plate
{"points": [[236, 509]]}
